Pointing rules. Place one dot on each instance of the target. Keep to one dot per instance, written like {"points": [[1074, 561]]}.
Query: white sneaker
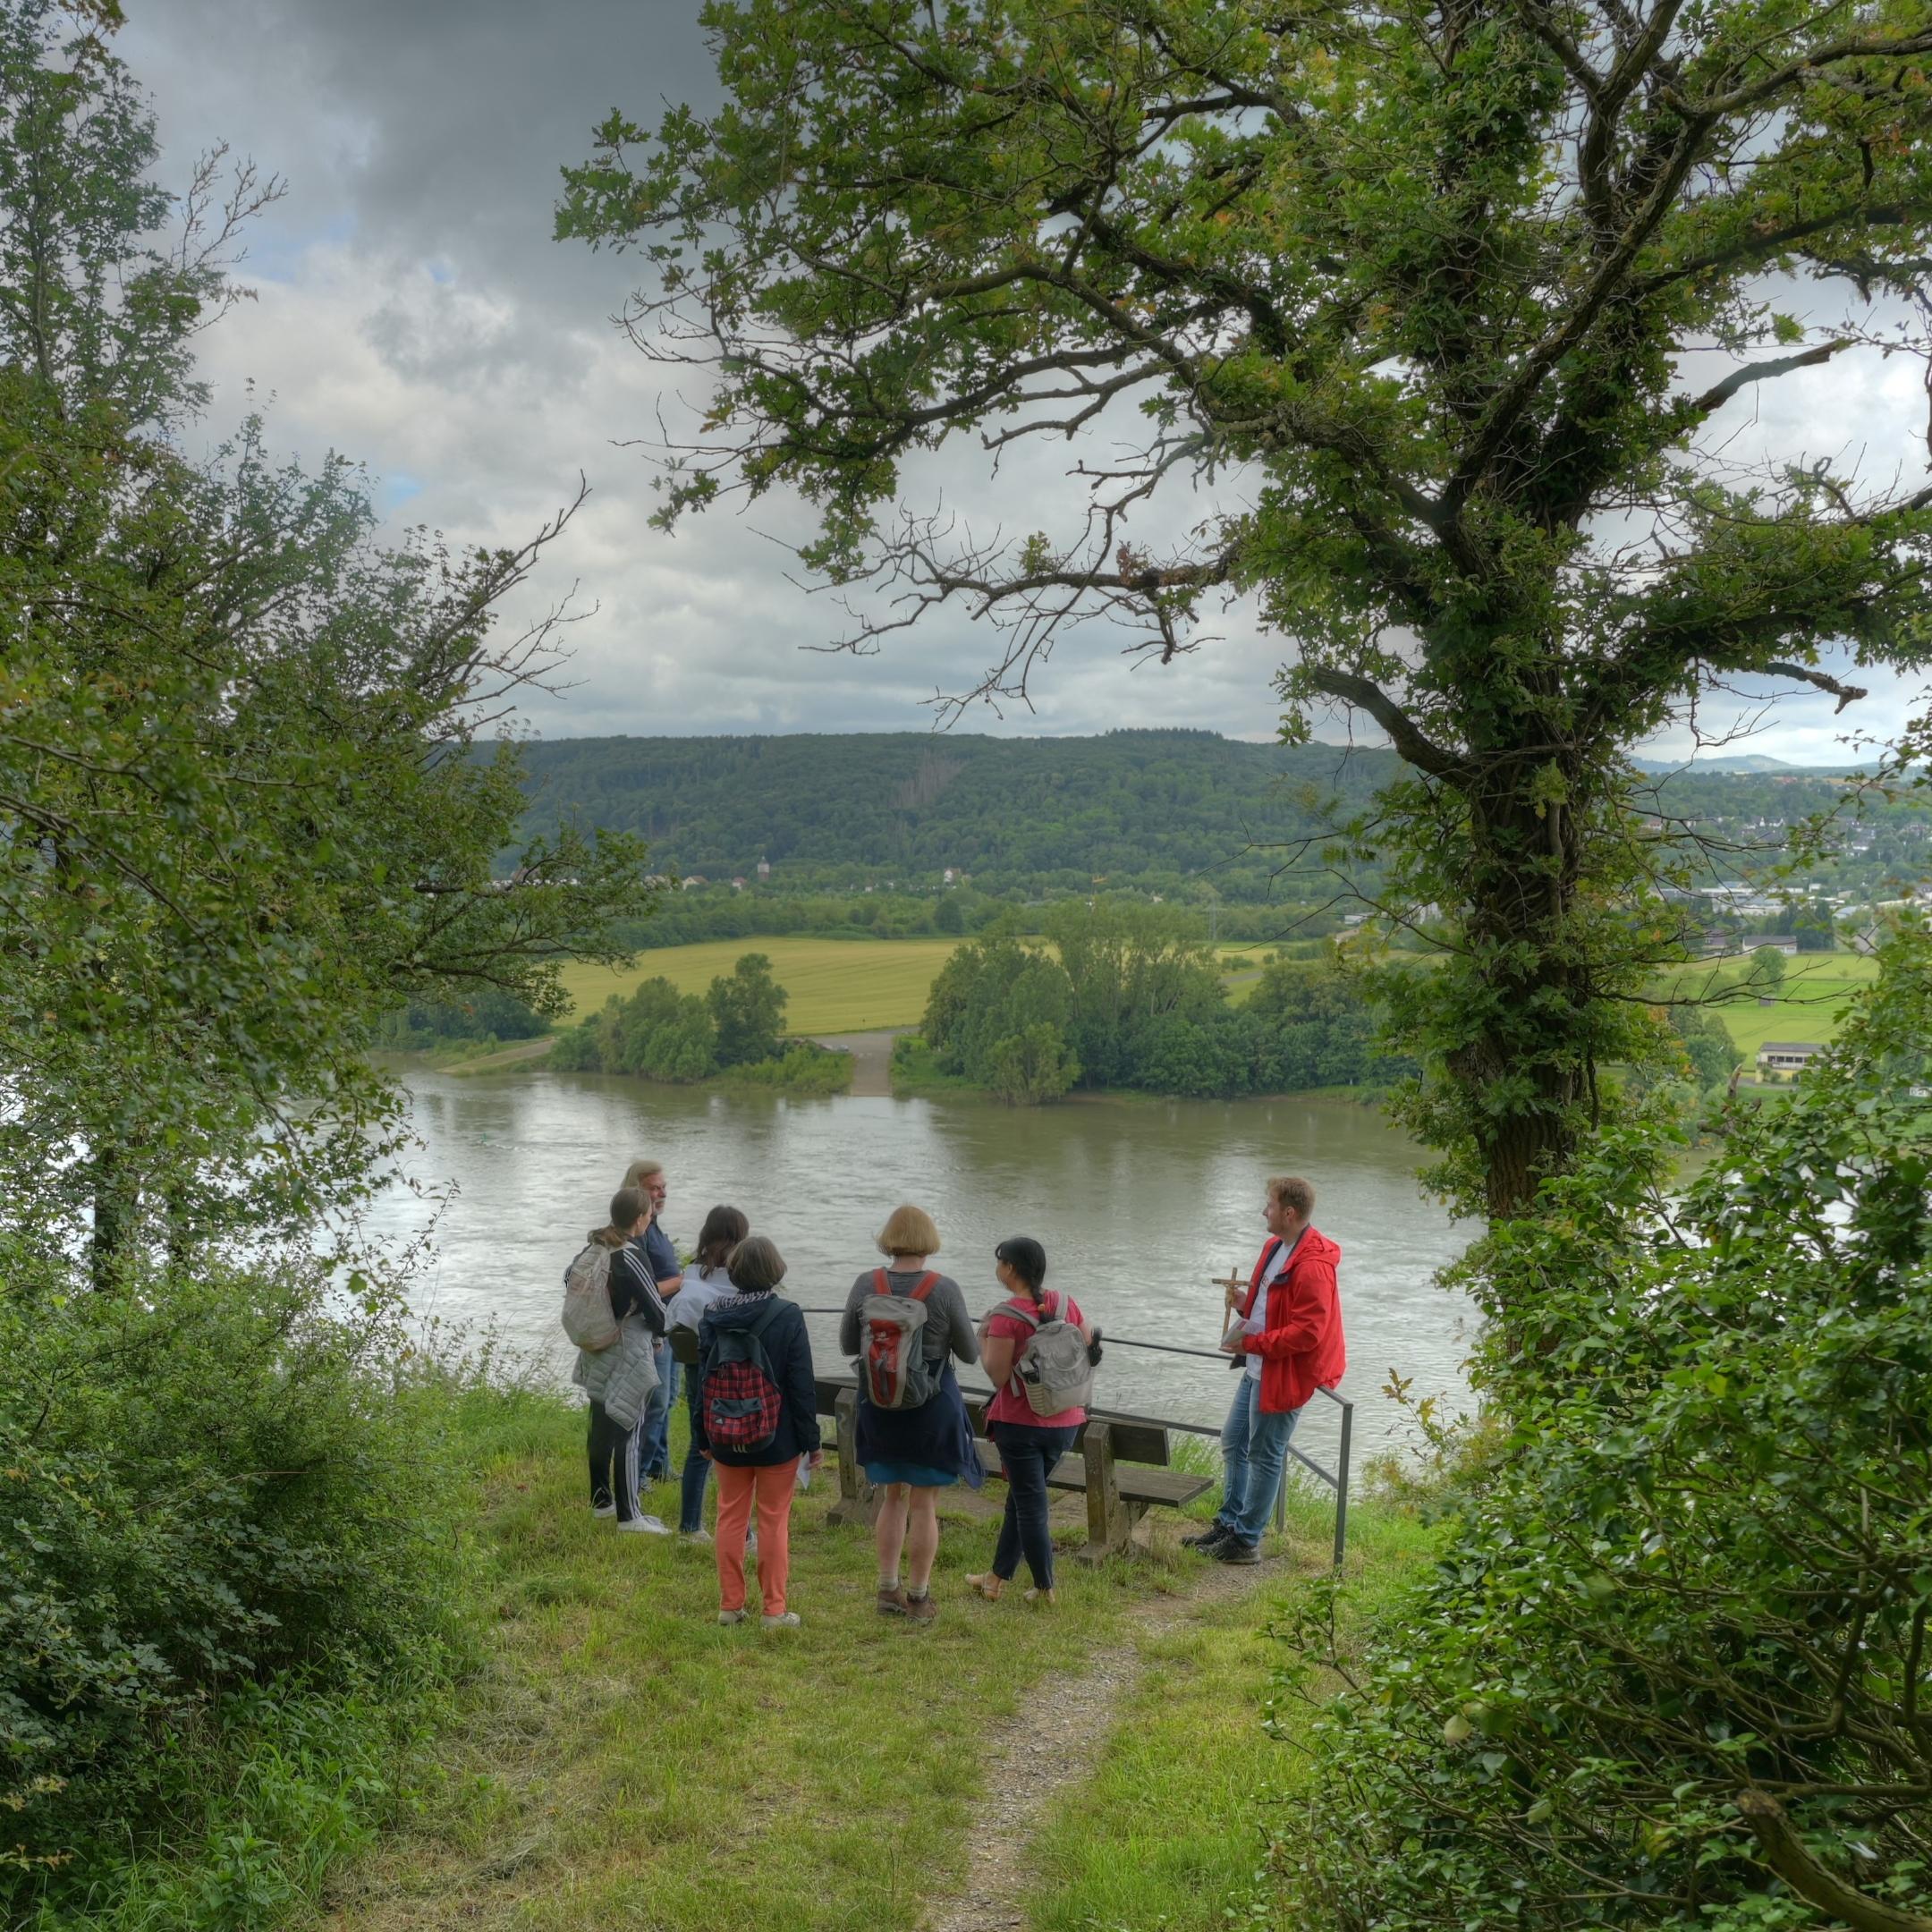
{"points": [[644, 1526], [791, 1620], [731, 1616], [603, 1509], [694, 1536]]}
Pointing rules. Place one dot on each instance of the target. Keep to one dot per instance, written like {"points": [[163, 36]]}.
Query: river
{"points": [[1140, 1203]]}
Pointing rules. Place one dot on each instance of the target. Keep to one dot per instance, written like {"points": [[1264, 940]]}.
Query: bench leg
{"points": [[857, 1500], [1109, 1521]]}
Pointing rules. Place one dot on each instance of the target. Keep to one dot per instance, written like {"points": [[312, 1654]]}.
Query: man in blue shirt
{"points": [[648, 1175]]}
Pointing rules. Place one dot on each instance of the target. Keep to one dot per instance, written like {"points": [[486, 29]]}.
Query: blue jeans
{"points": [[696, 1469], [1254, 1446], [656, 1451], [1028, 1454]]}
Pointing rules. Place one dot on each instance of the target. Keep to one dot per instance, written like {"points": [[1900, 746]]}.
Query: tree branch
{"points": [[1719, 393], [1844, 693], [1415, 746], [1783, 1852]]}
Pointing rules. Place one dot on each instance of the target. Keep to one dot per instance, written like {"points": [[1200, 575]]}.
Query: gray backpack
{"points": [[588, 1319], [1052, 1368]]}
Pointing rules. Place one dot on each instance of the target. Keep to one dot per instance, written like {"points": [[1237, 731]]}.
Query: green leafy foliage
{"points": [[747, 1007], [1703, 1568], [678, 1037], [203, 1486], [1124, 994]]}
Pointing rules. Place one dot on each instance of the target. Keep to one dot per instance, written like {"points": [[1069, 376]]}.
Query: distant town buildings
{"points": [[1785, 1059], [763, 870]]}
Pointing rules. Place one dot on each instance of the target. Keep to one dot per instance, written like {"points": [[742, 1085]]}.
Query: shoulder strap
{"points": [[1019, 1313], [925, 1285], [880, 1283]]}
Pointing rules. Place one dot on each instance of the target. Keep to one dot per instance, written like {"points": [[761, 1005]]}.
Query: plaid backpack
{"points": [[739, 1394], [892, 1344]]}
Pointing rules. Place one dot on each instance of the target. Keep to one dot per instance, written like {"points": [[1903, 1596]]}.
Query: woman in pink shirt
{"points": [[1030, 1446]]}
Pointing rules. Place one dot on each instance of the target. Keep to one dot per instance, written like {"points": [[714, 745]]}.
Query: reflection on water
{"points": [[1139, 1203]]}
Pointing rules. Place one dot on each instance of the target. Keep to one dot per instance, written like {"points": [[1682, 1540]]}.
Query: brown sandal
{"points": [[987, 1585]]}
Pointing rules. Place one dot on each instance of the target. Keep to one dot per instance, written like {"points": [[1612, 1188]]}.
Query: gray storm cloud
{"points": [[413, 312]]}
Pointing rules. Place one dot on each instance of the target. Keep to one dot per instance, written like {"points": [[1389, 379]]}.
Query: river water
{"points": [[1140, 1203]]}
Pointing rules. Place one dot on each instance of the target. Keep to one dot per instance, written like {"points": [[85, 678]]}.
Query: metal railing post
{"points": [[1341, 1471]]}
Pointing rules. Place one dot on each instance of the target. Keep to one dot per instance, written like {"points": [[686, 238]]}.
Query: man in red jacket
{"points": [[1286, 1333]]}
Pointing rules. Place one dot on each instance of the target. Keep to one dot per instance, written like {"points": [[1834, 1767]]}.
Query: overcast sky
{"points": [[414, 313]]}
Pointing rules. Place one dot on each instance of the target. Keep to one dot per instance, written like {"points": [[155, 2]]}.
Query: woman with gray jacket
{"points": [[621, 1379]]}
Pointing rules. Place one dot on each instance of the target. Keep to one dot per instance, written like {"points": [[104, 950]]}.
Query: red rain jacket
{"points": [[1300, 1342]]}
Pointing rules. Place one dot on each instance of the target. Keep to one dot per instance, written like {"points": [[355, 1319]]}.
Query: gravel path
{"points": [[1031, 1760]]}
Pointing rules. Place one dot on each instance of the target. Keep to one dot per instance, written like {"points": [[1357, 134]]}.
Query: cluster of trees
{"points": [[1188, 815], [735, 1027], [248, 819], [490, 1013], [1149, 809], [1123, 995], [690, 917]]}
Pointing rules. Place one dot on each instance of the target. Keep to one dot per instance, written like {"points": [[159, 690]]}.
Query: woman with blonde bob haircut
{"points": [[913, 1435]]}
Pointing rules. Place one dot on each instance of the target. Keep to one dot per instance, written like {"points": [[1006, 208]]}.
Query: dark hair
{"points": [[626, 1205], [724, 1228], [1027, 1260], [755, 1266]]}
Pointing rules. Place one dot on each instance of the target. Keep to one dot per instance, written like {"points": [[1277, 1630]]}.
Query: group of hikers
{"points": [[753, 1406]]}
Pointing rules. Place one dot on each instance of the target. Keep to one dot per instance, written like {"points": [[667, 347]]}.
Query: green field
{"points": [[1816, 985], [836, 986]]}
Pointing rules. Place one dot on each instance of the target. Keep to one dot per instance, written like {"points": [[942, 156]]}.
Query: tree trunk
{"points": [[116, 1215]]}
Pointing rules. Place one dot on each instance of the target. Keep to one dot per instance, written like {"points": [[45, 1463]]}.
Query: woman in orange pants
{"points": [[758, 1417]]}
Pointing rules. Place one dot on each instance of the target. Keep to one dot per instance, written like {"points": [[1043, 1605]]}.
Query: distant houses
{"points": [[1786, 1059]]}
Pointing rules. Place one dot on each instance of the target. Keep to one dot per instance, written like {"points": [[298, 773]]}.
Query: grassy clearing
{"points": [[626, 1761], [836, 986], [1816, 985], [1169, 1834]]}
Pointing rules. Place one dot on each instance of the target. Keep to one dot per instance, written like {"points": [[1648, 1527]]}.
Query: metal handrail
{"points": [[1336, 1479]]}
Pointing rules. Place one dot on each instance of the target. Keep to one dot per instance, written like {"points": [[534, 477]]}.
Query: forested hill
{"points": [[1150, 810], [1131, 807]]}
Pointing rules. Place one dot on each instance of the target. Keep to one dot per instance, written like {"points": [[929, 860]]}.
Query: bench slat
{"points": [[1136, 1438], [1175, 1489]]}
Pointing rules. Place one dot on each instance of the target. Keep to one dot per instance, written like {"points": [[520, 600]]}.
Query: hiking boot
{"points": [[1236, 1551], [788, 1620], [731, 1616], [893, 1602], [921, 1609], [1216, 1532]]}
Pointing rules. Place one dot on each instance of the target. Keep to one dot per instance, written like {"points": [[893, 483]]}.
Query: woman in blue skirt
{"points": [[912, 1453]]}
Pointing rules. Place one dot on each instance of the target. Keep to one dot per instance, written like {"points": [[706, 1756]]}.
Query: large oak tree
{"points": [[1464, 303]]}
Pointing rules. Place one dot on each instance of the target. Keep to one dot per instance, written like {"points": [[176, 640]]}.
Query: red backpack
{"points": [[892, 1344]]}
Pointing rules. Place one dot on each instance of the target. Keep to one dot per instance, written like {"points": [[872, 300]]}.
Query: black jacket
{"points": [[788, 1350]]}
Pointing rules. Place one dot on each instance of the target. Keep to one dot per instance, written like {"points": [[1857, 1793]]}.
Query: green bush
{"points": [[211, 1487], [1698, 1584], [803, 1068]]}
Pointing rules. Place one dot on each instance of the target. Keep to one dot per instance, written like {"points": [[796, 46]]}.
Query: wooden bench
{"points": [[1120, 1461]]}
